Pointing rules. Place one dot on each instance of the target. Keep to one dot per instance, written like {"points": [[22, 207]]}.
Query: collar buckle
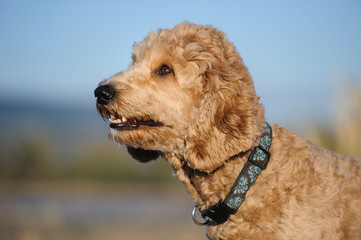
{"points": [[218, 213]]}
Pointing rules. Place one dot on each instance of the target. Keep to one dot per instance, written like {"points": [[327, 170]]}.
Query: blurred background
{"points": [[61, 178]]}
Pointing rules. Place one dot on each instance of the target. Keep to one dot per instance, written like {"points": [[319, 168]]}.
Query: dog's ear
{"points": [[142, 155], [230, 118], [229, 123]]}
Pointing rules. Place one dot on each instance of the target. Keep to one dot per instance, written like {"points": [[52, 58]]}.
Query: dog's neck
{"points": [[208, 188]]}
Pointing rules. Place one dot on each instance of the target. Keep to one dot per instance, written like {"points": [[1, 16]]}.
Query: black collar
{"points": [[257, 161]]}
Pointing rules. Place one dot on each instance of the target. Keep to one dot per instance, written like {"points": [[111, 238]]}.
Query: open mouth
{"points": [[122, 123]]}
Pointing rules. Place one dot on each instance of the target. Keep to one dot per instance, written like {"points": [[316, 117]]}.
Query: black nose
{"points": [[104, 94]]}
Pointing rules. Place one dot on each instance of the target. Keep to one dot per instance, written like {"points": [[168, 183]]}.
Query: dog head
{"points": [[186, 93]]}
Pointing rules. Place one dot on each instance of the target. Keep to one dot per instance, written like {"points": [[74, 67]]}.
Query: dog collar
{"points": [[257, 161]]}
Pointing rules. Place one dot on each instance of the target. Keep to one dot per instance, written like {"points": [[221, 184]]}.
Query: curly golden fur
{"points": [[188, 97]]}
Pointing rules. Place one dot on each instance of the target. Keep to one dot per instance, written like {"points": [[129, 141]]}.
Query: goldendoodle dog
{"points": [[188, 98]]}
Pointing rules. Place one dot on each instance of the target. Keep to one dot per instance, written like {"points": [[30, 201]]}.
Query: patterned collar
{"points": [[257, 161]]}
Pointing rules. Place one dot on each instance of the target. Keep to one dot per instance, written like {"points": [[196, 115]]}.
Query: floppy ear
{"points": [[230, 118], [142, 155], [229, 123]]}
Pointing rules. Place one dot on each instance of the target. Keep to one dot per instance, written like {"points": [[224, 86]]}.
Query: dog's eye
{"points": [[164, 70]]}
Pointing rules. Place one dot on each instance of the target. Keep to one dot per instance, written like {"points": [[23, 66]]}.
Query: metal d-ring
{"points": [[195, 219]]}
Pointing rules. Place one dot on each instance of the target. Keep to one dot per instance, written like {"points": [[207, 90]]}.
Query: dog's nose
{"points": [[104, 94]]}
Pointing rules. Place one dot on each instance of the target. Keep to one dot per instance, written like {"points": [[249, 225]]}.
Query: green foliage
{"points": [[33, 159], [24, 160]]}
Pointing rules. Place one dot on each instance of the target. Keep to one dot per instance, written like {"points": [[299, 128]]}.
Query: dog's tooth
{"points": [[124, 119]]}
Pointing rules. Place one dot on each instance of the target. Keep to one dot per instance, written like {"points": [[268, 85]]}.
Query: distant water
{"points": [[25, 116]]}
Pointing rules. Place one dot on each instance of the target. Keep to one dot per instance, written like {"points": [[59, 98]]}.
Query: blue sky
{"points": [[298, 52]]}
